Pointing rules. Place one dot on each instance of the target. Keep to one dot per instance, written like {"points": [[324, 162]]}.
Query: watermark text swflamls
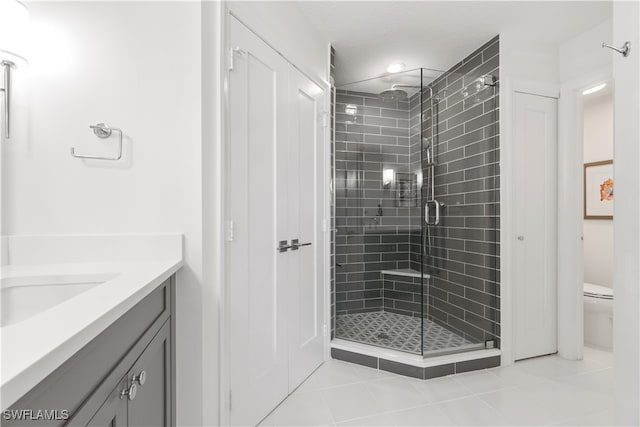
{"points": [[35, 415]]}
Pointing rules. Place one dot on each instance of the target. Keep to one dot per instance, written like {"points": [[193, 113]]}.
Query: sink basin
{"points": [[24, 297]]}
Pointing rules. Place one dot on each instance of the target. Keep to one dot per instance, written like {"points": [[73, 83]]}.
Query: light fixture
{"points": [[594, 89], [13, 23], [388, 178], [396, 67]]}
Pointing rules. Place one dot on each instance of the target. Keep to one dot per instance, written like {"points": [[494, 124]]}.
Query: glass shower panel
{"points": [[460, 209], [378, 290]]}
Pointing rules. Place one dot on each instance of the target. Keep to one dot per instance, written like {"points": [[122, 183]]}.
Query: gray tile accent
{"points": [[415, 371], [477, 364], [360, 359], [439, 371], [401, 369]]}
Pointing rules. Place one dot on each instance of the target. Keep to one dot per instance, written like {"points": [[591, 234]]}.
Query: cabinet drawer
{"points": [[100, 364]]}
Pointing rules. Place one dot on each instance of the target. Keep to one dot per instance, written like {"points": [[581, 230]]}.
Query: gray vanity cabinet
{"points": [[123, 377], [152, 375], [142, 398], [113, 412]]}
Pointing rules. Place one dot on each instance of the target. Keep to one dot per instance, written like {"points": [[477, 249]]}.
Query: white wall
{"points": [[626, 271], [285, 28], [527, 60], [598, 145], [583, 54], [136, 66]]}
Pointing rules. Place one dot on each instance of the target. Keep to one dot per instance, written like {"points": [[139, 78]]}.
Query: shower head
{"points": [[427, 151], [478, 85], [393, 95]]}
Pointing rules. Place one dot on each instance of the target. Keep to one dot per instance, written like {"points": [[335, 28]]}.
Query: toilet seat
{"points": [[597, 291]]}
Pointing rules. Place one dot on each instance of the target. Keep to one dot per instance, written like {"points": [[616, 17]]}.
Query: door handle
{"points": [[295, 245], [283, 247]]}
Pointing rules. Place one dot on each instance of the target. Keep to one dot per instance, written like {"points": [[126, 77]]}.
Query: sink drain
{"points": [[383, 336]]}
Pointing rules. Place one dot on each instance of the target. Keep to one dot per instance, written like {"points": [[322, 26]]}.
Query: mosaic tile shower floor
{"points": [[398, 332]]}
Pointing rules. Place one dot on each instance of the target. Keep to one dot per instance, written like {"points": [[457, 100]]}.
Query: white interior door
{"points": [[304, 213], [256, 205], [535, 219]]}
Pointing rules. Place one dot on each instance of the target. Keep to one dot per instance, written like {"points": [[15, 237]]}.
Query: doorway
{"points": [[597, 191]]}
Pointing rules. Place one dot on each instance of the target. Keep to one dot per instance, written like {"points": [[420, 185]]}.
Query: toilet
{"points": [[598, 316]]}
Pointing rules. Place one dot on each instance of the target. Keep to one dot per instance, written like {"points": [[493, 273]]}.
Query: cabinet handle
{"points": [[129, 392], [141, 378]]}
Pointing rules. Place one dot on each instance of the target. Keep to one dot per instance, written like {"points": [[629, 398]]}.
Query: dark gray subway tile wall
{"points": [[464, 291], [403, 294], [372, 233]]}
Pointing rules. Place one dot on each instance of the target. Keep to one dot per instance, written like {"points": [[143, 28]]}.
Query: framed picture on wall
{"points": [[598, 190]]}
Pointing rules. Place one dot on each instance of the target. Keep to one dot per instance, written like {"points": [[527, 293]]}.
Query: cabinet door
{"points": [[113, 413], [152, 375]]}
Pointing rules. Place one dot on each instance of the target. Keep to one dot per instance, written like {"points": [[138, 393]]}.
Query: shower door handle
{"points": [[436, 204]]}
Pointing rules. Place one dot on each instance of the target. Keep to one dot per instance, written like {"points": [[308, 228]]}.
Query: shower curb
{"points": [[419, 372]]}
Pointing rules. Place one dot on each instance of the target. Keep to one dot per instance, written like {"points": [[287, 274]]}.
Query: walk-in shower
{"points": [[416, 209]]}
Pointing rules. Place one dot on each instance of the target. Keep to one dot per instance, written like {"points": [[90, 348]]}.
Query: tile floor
{"points": [[399, 332], [542, 391]]}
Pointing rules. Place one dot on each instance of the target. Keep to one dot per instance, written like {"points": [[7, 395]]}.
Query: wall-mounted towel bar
{"points": [[102, 131]]}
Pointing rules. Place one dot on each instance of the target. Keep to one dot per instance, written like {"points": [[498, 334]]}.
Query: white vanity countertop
{"points": [[33, 348]]}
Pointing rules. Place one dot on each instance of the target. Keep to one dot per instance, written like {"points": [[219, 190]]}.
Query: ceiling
{"points": [[370, 35]]}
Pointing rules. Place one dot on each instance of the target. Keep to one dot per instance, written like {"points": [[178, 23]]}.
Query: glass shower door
{"points": [[461, 212]]}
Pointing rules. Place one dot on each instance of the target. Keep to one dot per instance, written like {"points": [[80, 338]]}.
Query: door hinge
{"points": [[325, 119], [232, 55], [229, 231]]}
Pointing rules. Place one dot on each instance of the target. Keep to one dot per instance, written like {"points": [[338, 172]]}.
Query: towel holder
{"points": [[102, 131]]}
